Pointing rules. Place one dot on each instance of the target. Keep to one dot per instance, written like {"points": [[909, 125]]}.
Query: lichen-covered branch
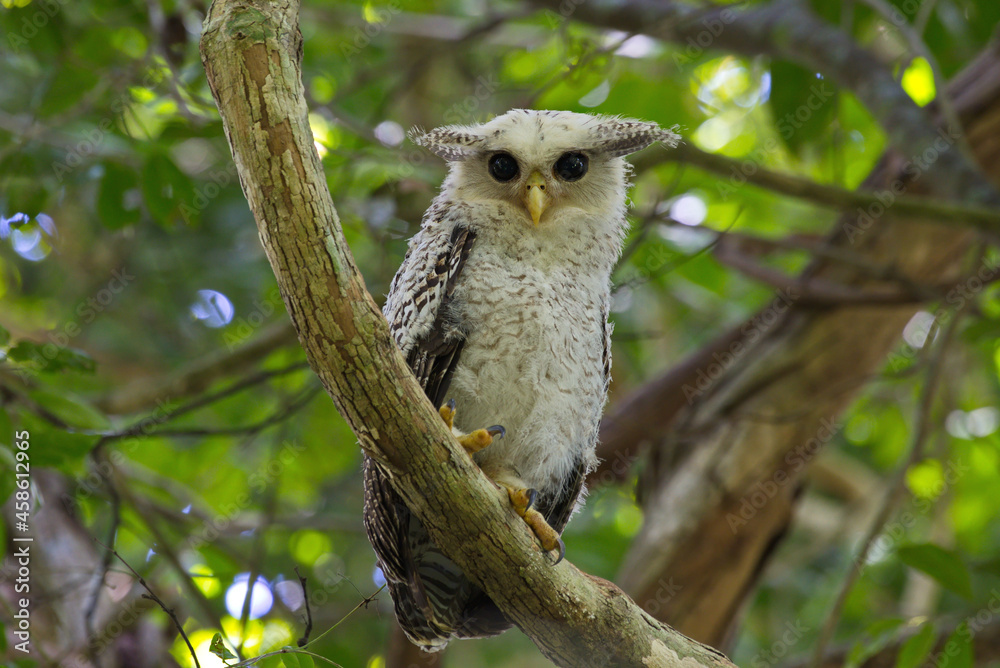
{"points": [[251, 51]]}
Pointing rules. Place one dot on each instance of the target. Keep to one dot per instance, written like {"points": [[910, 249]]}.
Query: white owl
{"points": [[501, 309]]}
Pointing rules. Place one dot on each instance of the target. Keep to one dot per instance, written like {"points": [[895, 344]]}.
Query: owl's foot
{"points": [[523, 500], [474, 441]]}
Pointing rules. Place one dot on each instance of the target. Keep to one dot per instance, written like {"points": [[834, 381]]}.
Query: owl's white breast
{"points": [[532, 302]]}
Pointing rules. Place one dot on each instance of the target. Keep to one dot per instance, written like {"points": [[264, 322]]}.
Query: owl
{"points": [[501, 310]]}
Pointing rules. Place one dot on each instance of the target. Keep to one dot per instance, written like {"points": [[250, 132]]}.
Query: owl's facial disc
{"points": [[536, 200]]}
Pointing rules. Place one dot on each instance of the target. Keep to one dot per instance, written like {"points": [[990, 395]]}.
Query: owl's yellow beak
{"points": [[535, 198]]}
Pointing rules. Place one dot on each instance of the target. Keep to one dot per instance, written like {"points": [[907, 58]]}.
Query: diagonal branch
{"points": [[941, 211], [252, 52]]}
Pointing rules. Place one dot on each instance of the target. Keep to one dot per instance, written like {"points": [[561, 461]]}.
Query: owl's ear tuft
{"points": [[451, 142], [616, 137]]}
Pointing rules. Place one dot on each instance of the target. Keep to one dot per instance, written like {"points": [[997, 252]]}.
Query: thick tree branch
{"points": [[252, 51]]}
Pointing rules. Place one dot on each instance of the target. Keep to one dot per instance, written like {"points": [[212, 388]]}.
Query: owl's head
{"points": [[542, 162]]}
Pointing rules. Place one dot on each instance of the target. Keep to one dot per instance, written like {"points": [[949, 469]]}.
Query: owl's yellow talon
{"points": [[480, 438], [475, 441], [448, 413], [523, 500]]}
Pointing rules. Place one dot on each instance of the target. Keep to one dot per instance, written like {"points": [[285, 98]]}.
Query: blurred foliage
{"points": [[127, 253]]}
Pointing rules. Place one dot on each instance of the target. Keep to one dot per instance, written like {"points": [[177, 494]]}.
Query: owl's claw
{"points": [[448, 413], [474, 441], [523, 500]]}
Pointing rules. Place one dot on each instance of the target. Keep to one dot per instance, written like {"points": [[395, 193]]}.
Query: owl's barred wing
{"points": [[426, 280], [421, 582], [434, 355]]}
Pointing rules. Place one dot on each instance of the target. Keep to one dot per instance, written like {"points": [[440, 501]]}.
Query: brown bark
{"points": [[252, 52]]}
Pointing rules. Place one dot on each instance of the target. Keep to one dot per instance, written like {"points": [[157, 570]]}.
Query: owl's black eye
{"points": [[503, 167], [571, 166]]}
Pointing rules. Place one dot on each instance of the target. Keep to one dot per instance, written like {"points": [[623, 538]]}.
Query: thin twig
{"points": [[253, 428], [151, 595], [197, 376], [143, 425], [894, 492], [304, 640], [364, 602], [301, 649], [95, 594], [165, 547]]}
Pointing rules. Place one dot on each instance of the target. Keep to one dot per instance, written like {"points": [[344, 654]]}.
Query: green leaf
{"points": [[270, 662], [53, 447], [65, 90], [958, 648], [297, 660], [24, 351], [75, 412], [4, 336], [875, 638], [219, 649], [915, 650], [50, 358], [164, 187], [941, 564], [803, 105], [116, 205]]}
